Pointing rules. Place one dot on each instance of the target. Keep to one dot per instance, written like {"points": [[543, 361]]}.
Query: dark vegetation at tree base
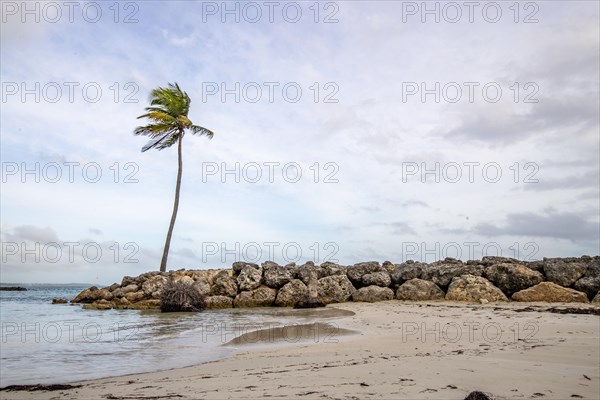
{"points": [[476, 395], [181, 296]]}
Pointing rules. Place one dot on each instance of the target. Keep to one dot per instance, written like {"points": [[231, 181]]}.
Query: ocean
{"points": [[60, 343]]}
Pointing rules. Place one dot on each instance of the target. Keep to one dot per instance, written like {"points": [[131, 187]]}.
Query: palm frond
{"points": [[199, 130], [155, 142], [168, 118]]}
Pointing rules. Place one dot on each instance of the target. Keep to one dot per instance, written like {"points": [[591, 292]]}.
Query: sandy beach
{"points": [[388, 350]]}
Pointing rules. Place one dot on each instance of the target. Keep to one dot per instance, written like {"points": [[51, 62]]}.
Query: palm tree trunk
{"points": [[163, 263]]}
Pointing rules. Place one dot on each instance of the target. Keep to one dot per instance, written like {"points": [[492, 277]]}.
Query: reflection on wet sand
{"points": [[317, 332]]}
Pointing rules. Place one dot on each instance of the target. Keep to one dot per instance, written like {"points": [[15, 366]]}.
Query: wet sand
{"points": [[388, 350]]}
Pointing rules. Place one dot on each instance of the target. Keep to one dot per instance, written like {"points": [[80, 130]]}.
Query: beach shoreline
{"points": [[393, 349]]}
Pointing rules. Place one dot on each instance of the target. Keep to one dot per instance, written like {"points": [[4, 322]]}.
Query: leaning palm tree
{"points": [[168, 117]]}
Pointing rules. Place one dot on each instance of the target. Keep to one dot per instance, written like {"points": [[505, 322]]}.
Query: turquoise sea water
{"points": [[56, 343]]}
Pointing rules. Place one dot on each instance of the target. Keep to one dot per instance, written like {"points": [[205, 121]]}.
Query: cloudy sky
{"points": [[347, 131]]}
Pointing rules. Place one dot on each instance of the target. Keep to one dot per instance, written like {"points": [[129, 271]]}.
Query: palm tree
{"points": [[168, 116]]}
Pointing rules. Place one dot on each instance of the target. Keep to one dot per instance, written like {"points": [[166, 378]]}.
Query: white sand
{"points": [[401, 351]]}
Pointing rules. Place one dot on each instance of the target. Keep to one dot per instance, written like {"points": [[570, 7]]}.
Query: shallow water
{"points": [[57, 343]]}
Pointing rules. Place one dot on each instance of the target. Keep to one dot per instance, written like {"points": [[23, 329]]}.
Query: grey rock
{"points": [[329, 268], [334, 289], [269, 264], [291, 293], [238, 266], [373, 293], [183, 278], [153, 287], [537, 265], [381, 278], [218, 302], [407, 271], [203, 287], [356, 272], [442, 273], [88, 295], [305, 272], [419, 290], [590, 282], [474, 289], [276, 276], [128, 280], [263, 296], [135, 296], [563, 273], [249, 278], [512, 277], [225, 286], [550, 292], [122, 291], [491, 260]]}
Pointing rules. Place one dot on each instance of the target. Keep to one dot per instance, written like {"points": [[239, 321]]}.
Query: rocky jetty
{"points": [[491, 279]]}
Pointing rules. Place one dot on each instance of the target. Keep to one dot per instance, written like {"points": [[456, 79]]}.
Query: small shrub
{"points": [[477, 395], [181, 296]]}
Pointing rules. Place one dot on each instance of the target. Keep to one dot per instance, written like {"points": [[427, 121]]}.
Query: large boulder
{"points": [[335, 289], [407, 271], [104, 294], [264, 296], [269, 264], [202, 286], [217, 302], [225, 286], [129, 280], [307, 271], [356, 272], [123, 291], [442, 273], [88, 295], [596, 299], [388, 266], [419, 290], [329, 268], [276, 276], [563, 273], [590, 282], [512, 277], [550, 292], [153, 287], [291, 293], [149, 304], [491, 260], [381, 278], [185, 279], [238, 266], [249, 278], [537, 265], [473, 288], [135, 296], [373, 293], [98, 305]]}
